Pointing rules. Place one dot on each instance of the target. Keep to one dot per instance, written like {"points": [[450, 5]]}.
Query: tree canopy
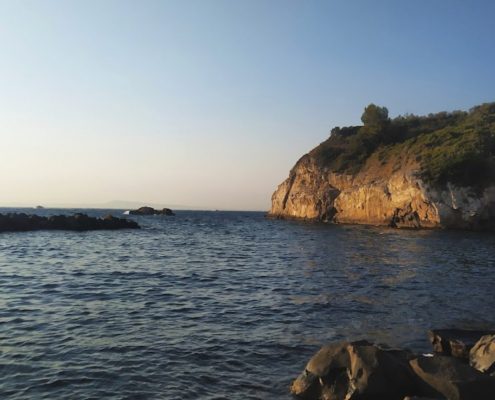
{"points": [[375, 116], [456, 147]]}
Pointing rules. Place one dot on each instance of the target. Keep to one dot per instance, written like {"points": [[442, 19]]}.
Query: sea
{"points": [[221, 305]]}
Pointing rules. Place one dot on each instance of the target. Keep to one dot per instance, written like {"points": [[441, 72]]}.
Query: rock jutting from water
{"points": [[20, 222], [363, 370], [151, 211], [436, 171]]}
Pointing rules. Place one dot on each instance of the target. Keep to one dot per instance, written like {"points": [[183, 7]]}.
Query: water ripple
{"points": [[218, 305]]}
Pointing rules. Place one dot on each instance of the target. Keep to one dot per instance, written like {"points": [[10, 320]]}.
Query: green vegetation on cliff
{"points": [[456, 147]]}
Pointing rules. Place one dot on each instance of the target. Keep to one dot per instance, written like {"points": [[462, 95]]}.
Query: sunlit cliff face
{"points": [[401, 200]]}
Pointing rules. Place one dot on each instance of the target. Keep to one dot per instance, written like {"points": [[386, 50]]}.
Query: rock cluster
{"points": [[15, 222], [151, 211], [365, 371]]}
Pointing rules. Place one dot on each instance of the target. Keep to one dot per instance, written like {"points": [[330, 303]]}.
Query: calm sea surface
{"points": [[221, 305]]}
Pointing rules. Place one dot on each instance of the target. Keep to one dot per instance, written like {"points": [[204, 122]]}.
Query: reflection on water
{"points": [[221, 305]]}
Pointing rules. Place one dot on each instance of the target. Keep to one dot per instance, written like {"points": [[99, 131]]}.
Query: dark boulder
{"points": [[322, 371], [453, 379], [379, 373], [482, 354], [151, 211], [455, 342], [143, 211], [356, 371]]}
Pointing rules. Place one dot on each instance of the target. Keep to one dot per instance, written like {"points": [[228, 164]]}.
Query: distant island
{"points": [[434, 171]]}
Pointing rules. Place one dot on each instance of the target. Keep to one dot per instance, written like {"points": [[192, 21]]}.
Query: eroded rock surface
{"points": [[380, 196]]}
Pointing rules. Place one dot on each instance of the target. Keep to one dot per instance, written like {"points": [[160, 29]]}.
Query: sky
{"points": [[209, 103]]}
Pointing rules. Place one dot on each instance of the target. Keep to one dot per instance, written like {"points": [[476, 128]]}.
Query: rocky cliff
{"points": [[397, 182]]}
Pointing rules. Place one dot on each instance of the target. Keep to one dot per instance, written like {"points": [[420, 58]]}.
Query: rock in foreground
{"points": [[79, 222], [151, 211], [365, 371]]}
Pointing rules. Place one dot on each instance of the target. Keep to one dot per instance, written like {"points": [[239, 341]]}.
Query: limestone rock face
{"points": [[395, 197]]}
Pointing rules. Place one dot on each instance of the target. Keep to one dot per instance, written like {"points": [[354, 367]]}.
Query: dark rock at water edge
{"points": [[365, 371], [78, 222], [151, 211]]}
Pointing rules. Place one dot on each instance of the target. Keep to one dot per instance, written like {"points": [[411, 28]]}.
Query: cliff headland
{"points": [[434, 171]]}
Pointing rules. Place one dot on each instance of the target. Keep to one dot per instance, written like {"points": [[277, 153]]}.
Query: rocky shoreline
{"points": [[20, 222], [462, 367]]}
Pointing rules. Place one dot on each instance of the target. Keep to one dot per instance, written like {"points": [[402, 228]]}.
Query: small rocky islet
{"points": [[21, 222], [462, 367], [151, 211]]}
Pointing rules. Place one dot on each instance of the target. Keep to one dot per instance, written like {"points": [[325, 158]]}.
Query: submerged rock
{"points": [[151, 211], [77, 222]]}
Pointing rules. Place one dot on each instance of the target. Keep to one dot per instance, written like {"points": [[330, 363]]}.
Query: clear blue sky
{"points": [[209, 103]]}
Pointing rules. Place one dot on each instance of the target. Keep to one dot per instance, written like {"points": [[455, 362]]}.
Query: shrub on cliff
{"points": [[456, 147], [375, 119]]}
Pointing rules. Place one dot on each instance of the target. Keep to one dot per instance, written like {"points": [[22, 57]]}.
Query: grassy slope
{"points": [[456, 147]]}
